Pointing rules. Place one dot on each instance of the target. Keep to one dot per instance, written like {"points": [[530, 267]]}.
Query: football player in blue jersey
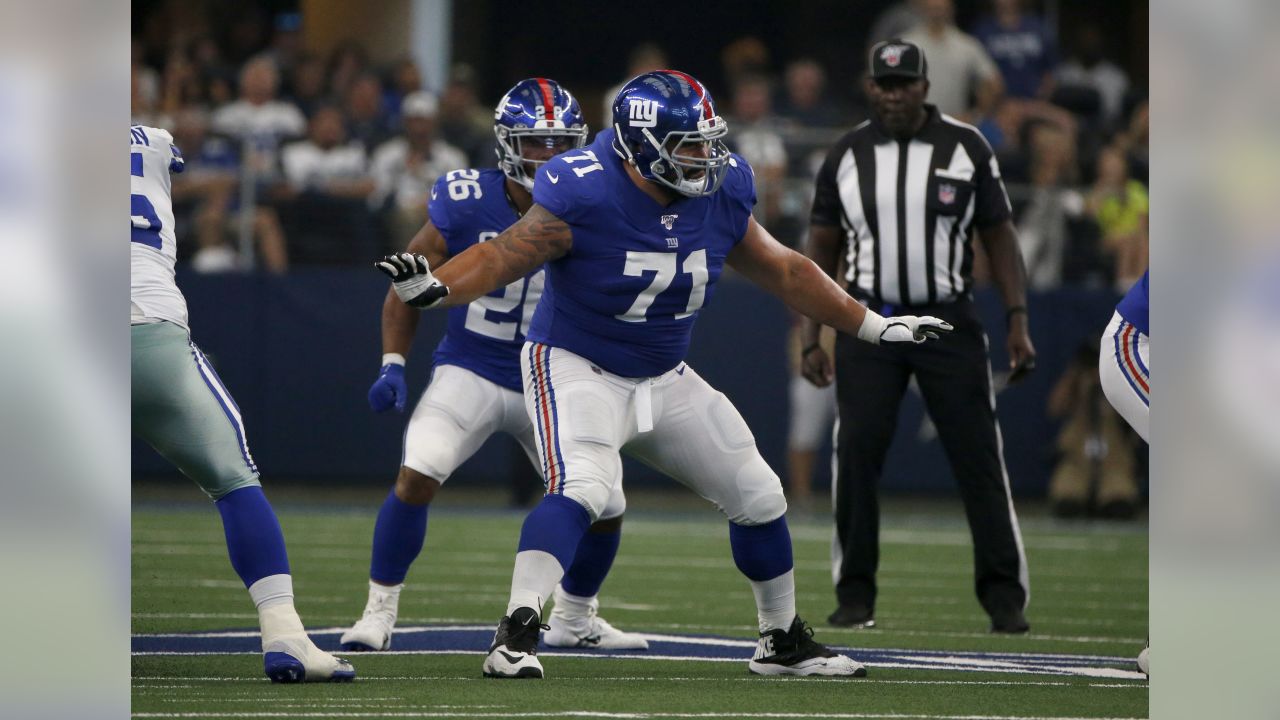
{"points": [[634, 231], [475, 388], [1124, 363]]}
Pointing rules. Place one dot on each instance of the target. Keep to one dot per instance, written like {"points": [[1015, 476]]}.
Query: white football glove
{"points": [[877, 329], [412, 279]]}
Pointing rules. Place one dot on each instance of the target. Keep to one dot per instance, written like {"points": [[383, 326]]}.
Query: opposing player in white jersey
{"points": [[475, 388], [634, 231], [182, 409]]}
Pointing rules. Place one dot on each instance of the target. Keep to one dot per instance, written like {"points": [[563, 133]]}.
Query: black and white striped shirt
{"points": [[908, 208]]}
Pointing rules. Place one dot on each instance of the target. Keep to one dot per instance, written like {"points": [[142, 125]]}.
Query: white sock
{"points": [[535, 574], [272, 590], [385, 597], [574, 609], [776, 601]]}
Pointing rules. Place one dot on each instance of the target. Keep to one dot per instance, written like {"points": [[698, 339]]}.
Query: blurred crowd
{"points": [[296, 157]]}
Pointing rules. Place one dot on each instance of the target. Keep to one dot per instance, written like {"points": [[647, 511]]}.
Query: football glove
{"points": [[389, 389], [412, 279], [876, 329]]}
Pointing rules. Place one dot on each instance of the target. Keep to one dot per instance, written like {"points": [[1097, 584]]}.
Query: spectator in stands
{"points": [[1120, 205], [1088, 67], [209, 186], [404, 168], [756, 136], [643, 58], [327, 163], [405, 80], [347, 62], [258, 119], [307, 83], [1134, 142], [745, 57], [463, 123], [214, 76], [367, 119], [894, 21], [1043, 229], [1022, 47], [959, 68], [806, 103], [286, 41]]}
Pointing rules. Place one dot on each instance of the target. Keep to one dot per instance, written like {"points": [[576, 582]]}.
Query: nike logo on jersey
{"points": [[513, 659], [433, 192], [553, 178]]}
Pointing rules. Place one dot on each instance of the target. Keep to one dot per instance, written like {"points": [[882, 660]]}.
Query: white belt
{"points": [[644, 406]]}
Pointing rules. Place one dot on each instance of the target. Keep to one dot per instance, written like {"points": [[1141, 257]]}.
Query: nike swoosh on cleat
{"points": [[589, 640], [513, 659]]}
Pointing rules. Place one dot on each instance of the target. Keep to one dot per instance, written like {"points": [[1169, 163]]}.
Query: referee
{"points": [[900, 196]]}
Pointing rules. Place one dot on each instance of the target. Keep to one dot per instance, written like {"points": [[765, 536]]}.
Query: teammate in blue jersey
{"points": [[1124, 363], [635, 231], [475, 388]]}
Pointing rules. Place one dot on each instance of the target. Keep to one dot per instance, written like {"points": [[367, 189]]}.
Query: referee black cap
{"points": [[898, 58]]}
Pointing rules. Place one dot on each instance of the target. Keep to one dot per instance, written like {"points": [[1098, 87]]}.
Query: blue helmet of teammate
{"points": [[535, 121], [667, 127]]}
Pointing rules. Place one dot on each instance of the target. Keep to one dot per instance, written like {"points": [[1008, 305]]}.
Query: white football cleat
{"points": [[294, 659], [795, 652], [372, 632], [591, 631], [515, 647]]}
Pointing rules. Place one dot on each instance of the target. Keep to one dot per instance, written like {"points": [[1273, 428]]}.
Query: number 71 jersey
{"points": [[627, 293], [485, 336], [153, 294]]}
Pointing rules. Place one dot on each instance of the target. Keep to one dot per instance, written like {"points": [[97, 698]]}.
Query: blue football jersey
{"points": [[1133, 306], [485, 336], [627, 293]]}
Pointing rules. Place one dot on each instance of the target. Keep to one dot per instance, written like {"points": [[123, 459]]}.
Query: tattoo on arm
{"points": [[537, 238]]}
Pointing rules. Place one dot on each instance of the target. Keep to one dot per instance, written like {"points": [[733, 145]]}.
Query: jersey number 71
{"points": [[663, 267]]}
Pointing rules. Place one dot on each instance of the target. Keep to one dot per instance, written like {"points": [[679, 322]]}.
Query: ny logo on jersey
{"points": [[892, 54], [644, 113], [668, 221], [673, 243]]}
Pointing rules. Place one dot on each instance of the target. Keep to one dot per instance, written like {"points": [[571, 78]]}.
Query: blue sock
{"points": [[254, 540], [591, 563], [397, 539], [556, 527], [761, 552]]}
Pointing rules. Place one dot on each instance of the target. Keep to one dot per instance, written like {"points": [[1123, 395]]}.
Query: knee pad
{"points": [[616, 505], [760, 495]]}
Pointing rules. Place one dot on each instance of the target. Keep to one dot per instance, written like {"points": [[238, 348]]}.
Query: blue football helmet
{"points": [[536, 113], [668, 129]]}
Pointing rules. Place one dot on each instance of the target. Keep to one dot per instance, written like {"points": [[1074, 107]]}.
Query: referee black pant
{"points": [[954, 376]]}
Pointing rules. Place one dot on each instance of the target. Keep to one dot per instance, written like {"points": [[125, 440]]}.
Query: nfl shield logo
{"points": [[946, 193], [892, 54]]}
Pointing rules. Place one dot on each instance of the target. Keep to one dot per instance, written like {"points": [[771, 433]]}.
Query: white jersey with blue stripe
{"points": [[485, 336], [153, 246], [627, 293]]}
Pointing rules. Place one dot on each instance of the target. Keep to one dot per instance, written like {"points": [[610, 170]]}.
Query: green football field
{"points": [[674, 579]]}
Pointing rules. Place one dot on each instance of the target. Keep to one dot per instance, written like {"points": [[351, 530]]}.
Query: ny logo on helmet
{"points": [[892, 54], [644, 113]]}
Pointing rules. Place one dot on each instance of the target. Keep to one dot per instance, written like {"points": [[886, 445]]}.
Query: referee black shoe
{"points": [[794, 652], [852, 616], [1012, 622], [514, 651]]}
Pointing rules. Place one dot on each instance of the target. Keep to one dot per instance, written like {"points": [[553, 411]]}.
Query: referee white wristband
{"points": [[393, 359], [872, 326]]}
